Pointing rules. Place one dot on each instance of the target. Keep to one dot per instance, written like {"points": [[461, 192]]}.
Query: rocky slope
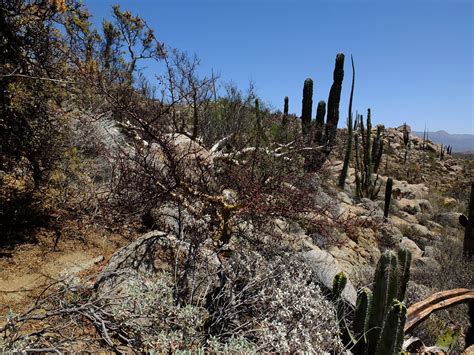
{"points": [[264, 281]]}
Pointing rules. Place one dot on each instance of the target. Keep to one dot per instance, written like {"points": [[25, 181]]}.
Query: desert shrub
{"points": [[274, 304]]}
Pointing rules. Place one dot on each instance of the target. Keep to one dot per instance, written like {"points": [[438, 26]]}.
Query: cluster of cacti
{"points": [[406, 141], [442, 152], [320, 133], [379, 317], [425, 139], [348, 156], [388, 197], [445, 149], [468, 224], [368, 156]]}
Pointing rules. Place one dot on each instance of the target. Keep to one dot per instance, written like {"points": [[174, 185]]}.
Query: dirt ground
{"points": [[27, 269]]}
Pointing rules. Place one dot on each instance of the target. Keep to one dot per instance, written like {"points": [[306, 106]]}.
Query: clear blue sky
{"points": [[414, 59]]}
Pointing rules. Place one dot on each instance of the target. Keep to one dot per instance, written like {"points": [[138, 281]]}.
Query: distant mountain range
{"points": [[461, 143]]}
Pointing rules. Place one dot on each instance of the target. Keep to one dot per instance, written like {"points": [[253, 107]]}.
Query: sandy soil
{"points": [[27, 269]]}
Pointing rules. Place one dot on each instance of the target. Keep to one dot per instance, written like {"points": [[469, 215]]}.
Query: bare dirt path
{"points": [[27, 269]]}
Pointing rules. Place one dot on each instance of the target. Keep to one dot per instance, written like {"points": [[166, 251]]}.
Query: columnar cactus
{"points": [[406, 141], [333, 101], [366, 186], [324, 134], [468, 224], [369, 165], [391, 336], [348, 156], [307, 106], [377, 148], [338, 284], [319, 123], [360, 324], [379, 317], [404, 262], [385, 291], [285, 111], [388, 197]]}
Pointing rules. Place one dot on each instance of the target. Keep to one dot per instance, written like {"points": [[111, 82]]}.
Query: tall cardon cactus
{"points": [[306, 108], [348, 156], [322, 134]]}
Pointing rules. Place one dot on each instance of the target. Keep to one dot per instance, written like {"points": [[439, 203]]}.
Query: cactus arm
{"points": [[319, 124], [404, 262], [333, 101], [388, 197], [385, 290], [391, 336], [338, 284], [361, 321], [368, 151]]}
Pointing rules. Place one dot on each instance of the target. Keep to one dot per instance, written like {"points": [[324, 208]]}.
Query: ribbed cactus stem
{"points": [[348, 156], [368, 144], [406, 141], [360, 324], [391, 336], [388, 197], [319, 124], [338, 284], [333, 101], [377, 149], [385, 291], [404, 262], [307, 106]]}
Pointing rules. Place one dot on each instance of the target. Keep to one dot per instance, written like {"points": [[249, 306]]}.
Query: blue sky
{"points": [[414, 59]]}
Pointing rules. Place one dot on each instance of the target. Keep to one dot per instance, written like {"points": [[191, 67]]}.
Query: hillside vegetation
{"points": [[183, 214]]}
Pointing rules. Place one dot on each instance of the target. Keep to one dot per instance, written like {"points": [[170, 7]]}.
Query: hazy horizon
{"points": [[414, 60]]}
